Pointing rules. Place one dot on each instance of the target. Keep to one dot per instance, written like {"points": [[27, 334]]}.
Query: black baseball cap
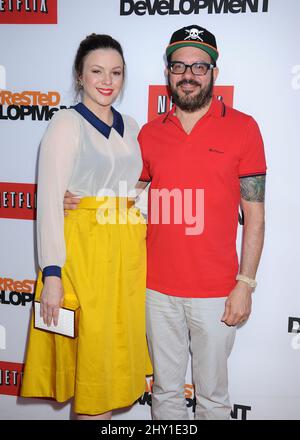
{"points": [[195, 36]]}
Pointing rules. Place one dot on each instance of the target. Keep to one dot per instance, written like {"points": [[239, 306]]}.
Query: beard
{"points": [[190, 103]]}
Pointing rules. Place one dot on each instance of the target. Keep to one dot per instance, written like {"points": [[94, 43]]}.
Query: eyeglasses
{"points": [[179, 68]]}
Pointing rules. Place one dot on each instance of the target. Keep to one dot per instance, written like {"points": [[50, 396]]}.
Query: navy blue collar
{"points": [[118, 123]]}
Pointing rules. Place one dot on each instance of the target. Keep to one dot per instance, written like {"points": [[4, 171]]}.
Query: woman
{"points": [[91, 259]]}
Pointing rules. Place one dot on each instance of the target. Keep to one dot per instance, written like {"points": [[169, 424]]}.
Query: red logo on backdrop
{"points": [[18, 200], [11, 378], [28, 12], [160, 101]]}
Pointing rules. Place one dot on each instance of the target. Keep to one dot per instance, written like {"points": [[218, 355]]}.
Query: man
{"points": [[207, 158], [193, 297]]}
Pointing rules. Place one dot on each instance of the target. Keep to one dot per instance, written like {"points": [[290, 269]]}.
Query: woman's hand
{"points": [[51, 299]]}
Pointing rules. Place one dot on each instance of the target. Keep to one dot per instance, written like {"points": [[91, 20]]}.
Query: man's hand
{"points": [[51, 299], [70, 201], [238, 304]]}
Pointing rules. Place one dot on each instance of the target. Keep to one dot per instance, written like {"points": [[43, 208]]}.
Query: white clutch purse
{"points": [[67, 321]]}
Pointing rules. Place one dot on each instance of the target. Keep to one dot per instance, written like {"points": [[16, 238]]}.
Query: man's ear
{"points": [[166, 72], [215, 73]]}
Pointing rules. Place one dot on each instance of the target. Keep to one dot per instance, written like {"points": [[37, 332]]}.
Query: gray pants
{"points": [[175, 325]]}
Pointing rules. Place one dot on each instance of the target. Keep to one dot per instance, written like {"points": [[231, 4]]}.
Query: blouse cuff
{"points": [[51, 271]]}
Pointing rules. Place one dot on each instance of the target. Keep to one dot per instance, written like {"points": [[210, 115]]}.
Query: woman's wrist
{"points": [[51, 271]]}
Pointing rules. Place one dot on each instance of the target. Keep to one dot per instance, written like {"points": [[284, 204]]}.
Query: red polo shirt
{"points": [[192, 248]]}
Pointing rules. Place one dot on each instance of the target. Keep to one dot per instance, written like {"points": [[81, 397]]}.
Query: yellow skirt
{"points": [[104, 368]]}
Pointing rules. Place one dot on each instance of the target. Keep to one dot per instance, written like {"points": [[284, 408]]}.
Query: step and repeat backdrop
{"points": [[259, 74]]}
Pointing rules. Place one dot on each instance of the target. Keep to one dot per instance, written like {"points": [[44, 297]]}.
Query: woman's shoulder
{"points": [[130, 123], [66, 115]]}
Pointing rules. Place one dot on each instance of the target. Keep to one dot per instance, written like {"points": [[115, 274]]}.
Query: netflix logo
{"points": [[18, 200], [28, 11], [10, 378]]}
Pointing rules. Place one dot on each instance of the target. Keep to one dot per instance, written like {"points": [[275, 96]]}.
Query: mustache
{"points": [[188, 81]]}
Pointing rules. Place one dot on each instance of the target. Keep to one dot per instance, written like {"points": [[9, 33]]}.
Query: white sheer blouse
{"points": [[81, 154]]}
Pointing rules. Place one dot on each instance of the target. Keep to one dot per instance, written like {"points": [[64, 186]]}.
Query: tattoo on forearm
{"points": [[253, 188]]}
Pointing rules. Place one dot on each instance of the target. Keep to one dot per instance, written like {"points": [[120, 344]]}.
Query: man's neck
{"points": [[189, 120]]}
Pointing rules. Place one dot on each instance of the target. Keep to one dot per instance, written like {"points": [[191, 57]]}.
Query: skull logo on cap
{"points": [[193, 34]]}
